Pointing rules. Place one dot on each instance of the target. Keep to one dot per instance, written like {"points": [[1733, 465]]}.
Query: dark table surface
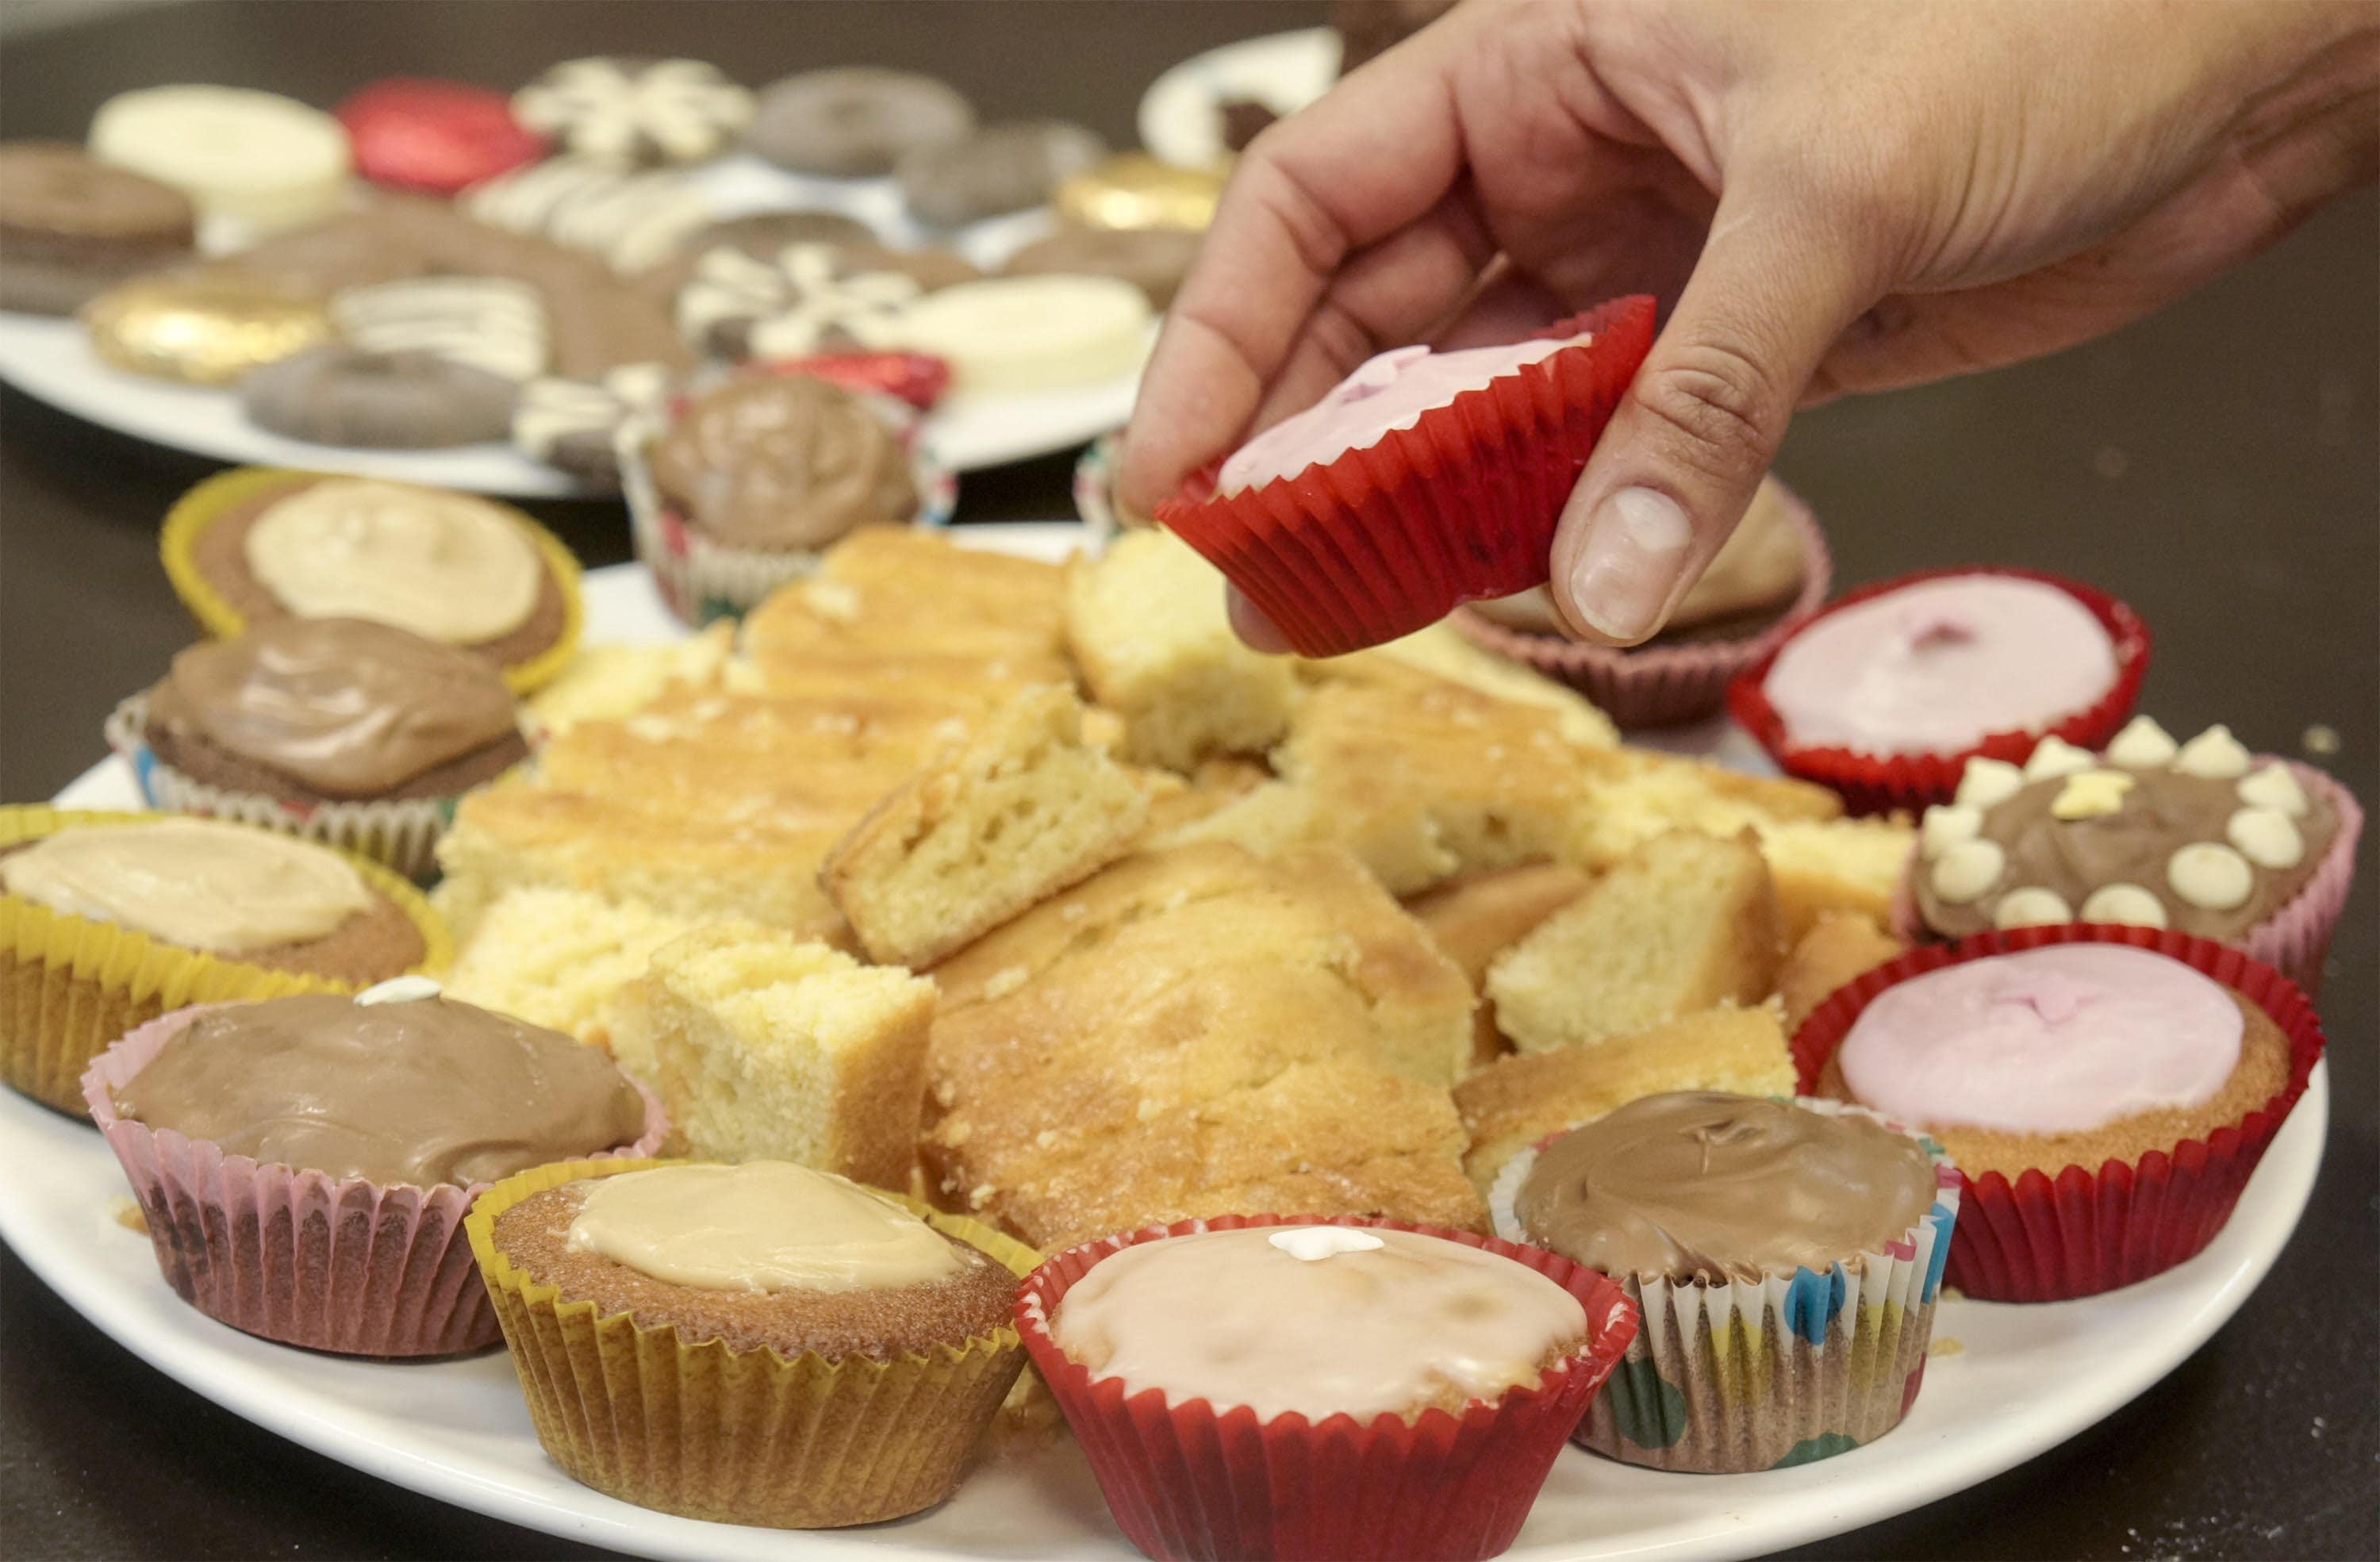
{"points": [[2217, 467]]}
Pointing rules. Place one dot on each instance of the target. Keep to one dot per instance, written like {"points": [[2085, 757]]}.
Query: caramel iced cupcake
{"points": [[1238, 1381], [2201, 835], [754, 1344], [338, 730], [305, 1163], [108, 921], [2107, 1091], [739, 487], [256, 544]]}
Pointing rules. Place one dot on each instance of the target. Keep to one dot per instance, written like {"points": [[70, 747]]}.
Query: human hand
{"points": [[1828, 195]]}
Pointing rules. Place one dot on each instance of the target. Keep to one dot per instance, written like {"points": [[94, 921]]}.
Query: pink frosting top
{"points": [[1386, 392], [2055, 1040], [1941, 665]]}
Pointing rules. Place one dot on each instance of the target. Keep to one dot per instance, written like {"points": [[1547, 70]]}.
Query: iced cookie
{"points": [[805, 299], [1004, 168], [855, 122], [635, 112], [492, 323], [71, 227], [1023, 332], [574, 424], [633, 220], [436, 137], [257, 158], [1153, 260], [338, 394]]}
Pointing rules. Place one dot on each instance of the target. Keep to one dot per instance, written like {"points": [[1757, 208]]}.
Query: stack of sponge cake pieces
{"points": [[1032, 889]]}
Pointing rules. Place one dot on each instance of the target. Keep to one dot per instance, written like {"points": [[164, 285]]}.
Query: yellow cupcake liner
{"points": [[69, 986], [199, 508], [742, 1437]]}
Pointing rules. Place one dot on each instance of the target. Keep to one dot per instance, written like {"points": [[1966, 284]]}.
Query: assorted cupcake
{"points": [[1772, 573], [2105, 1091], [1272, 1385], [754, 1344], [340, 729], [2201, 836], [1786, 1257], [108, 921], [1422, 481], [740, 484], [1887, 694], [255, 544], [304, 1163]]}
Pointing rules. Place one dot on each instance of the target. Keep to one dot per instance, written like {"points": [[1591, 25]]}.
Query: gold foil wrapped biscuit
{"points": [[1135, 191], [202, 330]]}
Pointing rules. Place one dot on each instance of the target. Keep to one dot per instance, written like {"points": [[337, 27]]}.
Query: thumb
{"points": [[1688, 445]]}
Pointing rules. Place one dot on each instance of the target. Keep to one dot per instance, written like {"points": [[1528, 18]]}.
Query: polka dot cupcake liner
{"points": [[1387, 539], [1728, 1377], [1186, 1482], [338, 1263], [1881, 784], [2052, 1234]]}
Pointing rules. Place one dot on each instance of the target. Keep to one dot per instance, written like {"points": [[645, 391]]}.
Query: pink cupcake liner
{"points": [[2294, 940], [1880, 783], [1183, 1482], [2055, 1234], [331, 1264], [1663, 685]]}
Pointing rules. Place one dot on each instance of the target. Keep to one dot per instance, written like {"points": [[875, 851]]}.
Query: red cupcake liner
{"points": [[331, 1264], [1878, 783], [2295, 940], [1390, 538], [1185, 1483], [1663, 685], [2046, 1238]]}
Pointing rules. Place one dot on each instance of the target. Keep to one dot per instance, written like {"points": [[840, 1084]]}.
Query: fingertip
{"points": [[1251, 625], [1620, 564]]}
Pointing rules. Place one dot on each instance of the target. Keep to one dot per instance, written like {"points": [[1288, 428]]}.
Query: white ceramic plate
{"points": [[2004, 1382], [1181, 115], [52, 361]]}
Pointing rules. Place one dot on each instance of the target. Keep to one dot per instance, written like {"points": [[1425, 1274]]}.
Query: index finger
{"points": [[1375, 154]]}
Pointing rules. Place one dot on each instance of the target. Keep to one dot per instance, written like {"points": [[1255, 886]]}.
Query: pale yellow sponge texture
{"points": [[1022, 810], [1687, 922], [614, 681], [766, 1047], [556, 957], [1146, 626]]}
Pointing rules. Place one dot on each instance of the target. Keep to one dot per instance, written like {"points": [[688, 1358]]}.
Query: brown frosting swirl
{"points": [[782, 462], [347, 707], [1703, 1184], [423, 1092]]}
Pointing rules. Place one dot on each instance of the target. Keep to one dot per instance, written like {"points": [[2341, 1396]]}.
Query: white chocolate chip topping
{"points": [[2214, 754], [2143, 746], [2266, 837], [1986, 781], [1967, 870], [2211, 876], [2128, 903], [2087, 795], [2274, 787], [1314, 1244], [1945, 826], [2056, 757], [399, 990], [2031, 906]]}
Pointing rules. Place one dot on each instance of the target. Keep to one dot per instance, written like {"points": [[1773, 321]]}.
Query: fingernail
{"points": [[1636, 550]]}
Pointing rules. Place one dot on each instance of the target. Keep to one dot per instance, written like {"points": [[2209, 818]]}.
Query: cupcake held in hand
{"points": [[304, 1163], [339, 730], [807, 1352], [1424, 481], [1719, 1215], [1261, 1387]]}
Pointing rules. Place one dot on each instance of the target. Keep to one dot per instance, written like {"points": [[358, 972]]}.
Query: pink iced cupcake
{"points": [[1886, 694], [1422, 481], [304, 1163]]}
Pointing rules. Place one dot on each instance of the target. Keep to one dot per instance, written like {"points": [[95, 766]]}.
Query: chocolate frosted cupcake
{"points": [[305, 1163], [2202, 837], [109, 920], [1724, 1218], [740, 486], [807, 1352], [340, 729], [255, 544]]}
